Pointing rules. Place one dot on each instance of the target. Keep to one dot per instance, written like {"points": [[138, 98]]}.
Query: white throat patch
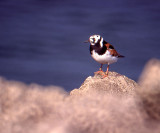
{"points": [[101, 42]]}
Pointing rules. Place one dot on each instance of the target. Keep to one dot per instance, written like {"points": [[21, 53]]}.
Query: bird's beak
{"points": [[86, 41]]}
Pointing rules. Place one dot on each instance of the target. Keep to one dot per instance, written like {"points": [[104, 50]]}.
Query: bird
{"points": [[102, 52]]}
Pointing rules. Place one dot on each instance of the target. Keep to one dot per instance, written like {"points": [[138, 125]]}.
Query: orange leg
{"points": [[106, 73], [100, 70], [107, 70]]}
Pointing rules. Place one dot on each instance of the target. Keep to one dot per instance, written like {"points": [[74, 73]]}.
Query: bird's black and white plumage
{"points": [[102, 52]]}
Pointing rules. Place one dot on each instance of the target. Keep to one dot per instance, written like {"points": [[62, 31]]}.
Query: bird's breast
{"points": [[105, 58], [98, 49]]}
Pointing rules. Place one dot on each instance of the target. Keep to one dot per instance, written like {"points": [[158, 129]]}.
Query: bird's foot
{"points": [[105, 75], [100, 72]]}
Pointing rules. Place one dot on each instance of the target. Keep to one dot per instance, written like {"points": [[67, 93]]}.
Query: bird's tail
{"points": [[120, 56]]}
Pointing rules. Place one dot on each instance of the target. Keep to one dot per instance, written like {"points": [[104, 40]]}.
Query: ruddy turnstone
{"points": [[102, 52]]}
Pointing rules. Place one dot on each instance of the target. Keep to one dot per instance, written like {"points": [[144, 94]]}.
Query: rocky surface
{"points": [[93, 108], [115, 83]]}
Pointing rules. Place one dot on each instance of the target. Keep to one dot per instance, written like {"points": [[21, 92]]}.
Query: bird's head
{"points": [[94, 39]]}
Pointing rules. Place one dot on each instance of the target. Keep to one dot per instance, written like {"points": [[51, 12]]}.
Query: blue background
{"points": [[41, 41]]}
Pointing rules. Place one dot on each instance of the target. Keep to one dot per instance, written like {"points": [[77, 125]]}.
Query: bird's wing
{"points": [[115, 53], [109, 46], [112, 50]]}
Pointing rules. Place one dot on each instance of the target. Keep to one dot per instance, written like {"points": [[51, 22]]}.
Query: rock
{"points": [[38, 109], [115, 83], [149, 90]]}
